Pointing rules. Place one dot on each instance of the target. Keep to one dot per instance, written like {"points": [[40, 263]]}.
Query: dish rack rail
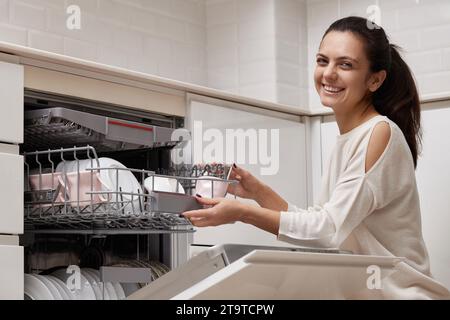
{"points": [[77, 200]]}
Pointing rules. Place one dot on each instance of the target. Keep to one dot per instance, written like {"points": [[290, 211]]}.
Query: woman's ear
{"points": [[376, 80]]}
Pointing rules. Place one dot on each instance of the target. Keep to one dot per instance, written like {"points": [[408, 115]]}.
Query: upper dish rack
{"points": [[66, 127], [93, 195]]}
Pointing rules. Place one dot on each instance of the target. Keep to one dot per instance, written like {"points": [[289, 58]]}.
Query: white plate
{"points": [[163, 184], [94, 284], [64, 291], [119, 291], [49, 284], [126, 180], [85, 292], [108, 287], [117, 180], [36, 289]]}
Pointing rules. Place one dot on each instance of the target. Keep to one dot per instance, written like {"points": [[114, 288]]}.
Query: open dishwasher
{"points": [[103, 198]]}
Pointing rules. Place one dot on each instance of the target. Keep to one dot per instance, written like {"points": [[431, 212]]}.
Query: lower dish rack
{"points": [[72, 190]]}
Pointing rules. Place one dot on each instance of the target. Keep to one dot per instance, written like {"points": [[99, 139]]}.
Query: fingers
{"points": [[197, 214], [207, 201]]}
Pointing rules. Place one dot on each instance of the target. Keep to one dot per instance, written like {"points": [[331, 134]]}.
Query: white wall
{"points": [[257, 48], [161, 37], [422, 28]]}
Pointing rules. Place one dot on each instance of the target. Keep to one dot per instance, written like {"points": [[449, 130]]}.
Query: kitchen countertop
{"points": [[23, 55]]}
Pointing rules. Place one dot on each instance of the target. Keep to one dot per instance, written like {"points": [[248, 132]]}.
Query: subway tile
{"points": [[27, 15], [425, 15], [221, 12], [256, 29], [424, 62], [264, 91], [288, 95], [356, 8], [170, 28], [196, 34], [112, 56], [157, 48], [172, 70], [408, 40], [288, 52], [196, 76], [80, 49], [254, 50], [434, 37], [435, 82], [446, 59], [222, 56], [13, 34], [288, 74], [220, 35], [322, 13], [250, 10], [142, 62], [4, 11], [287, 30], [257, 72], [143, 21], [223, 77], [85, 5], [46, 41]]}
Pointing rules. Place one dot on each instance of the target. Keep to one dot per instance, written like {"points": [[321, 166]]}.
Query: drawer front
{"points": [[11, 273], [11, 100], [11, 193]]}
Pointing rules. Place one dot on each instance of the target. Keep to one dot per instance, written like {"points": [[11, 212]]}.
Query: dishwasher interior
{"points": [[103, 198]]}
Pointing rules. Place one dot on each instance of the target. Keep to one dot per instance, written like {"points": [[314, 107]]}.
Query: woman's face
{"points": [[342, 76]]}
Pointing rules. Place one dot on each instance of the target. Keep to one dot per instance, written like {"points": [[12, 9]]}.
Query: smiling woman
{"points": [[369, 202]]}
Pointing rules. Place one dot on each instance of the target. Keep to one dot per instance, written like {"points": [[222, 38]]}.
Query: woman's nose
{"points": [[330, 72]]}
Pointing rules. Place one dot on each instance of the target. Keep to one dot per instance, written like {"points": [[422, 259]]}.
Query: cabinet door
{"points": [[283, 167], [11, 102], [11, 273], [11, 193], [433, 178]]}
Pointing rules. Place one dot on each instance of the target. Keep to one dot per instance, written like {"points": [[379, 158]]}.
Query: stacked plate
{"points": [[156, 269], [112, 177], [56, 287]]}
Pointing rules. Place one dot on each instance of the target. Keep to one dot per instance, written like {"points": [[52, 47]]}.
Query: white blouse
{"points": [[373, 213]]}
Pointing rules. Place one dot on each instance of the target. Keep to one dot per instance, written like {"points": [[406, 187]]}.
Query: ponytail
{"points": [[397, 98]]}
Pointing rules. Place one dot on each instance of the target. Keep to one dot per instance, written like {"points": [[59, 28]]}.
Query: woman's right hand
{"points": [[248, 187]]}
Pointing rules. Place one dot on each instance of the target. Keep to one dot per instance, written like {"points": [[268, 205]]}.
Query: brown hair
{"points": [[397, 98]]}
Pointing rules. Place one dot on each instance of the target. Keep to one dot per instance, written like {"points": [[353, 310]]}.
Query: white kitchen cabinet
{"points": [[11, 102], [289, 180], [433, 178], [11, 275], [11, 193]]}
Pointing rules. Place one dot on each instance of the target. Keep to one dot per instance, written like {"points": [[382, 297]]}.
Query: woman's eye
{"points": [[321, 61], [347, 65]]}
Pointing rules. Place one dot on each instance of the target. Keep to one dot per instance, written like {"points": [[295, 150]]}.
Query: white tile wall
{"points": [[163, 37], [234, 45], [256, 48], [422, 28]]}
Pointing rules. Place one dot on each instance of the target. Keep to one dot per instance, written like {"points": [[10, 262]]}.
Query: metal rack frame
{"points": [[49, 210]]}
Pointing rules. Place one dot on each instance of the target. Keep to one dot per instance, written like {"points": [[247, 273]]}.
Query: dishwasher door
{"points": [[278, 273]]}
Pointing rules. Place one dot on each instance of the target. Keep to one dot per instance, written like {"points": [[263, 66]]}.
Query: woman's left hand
{"points": [[221, 211]]}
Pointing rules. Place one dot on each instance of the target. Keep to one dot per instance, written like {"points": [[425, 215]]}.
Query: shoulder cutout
{"points": [[377, 143]]}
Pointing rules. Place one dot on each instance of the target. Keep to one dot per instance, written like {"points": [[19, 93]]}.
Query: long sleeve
{"points": [[329, 225]]}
